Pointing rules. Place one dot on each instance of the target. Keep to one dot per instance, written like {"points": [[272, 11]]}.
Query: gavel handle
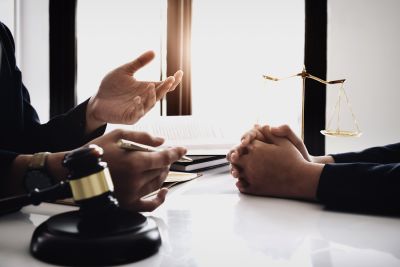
{"points": [[58, 191]]}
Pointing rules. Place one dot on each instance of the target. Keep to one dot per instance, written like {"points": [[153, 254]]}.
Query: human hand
{"points": [[260, 133], [136, 173], [265, 133], [123, 99], [287, 132], [276, 169]]}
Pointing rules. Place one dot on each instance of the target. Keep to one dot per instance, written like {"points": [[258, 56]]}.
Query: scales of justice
{"points": [[342, 96]]}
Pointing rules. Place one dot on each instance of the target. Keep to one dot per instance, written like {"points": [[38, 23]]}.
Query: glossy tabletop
{"points": [[207, 222]]}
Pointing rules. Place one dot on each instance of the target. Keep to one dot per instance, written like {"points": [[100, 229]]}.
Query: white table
{"points": [[207, 222]]}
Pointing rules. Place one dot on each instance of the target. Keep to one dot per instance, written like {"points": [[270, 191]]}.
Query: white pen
{"points": [[133, 146]]}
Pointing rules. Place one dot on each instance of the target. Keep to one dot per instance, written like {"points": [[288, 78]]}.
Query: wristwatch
{"points": [[36, 175]]}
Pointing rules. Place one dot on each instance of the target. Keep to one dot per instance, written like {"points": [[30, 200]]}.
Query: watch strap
{"points": [[38, 161]]}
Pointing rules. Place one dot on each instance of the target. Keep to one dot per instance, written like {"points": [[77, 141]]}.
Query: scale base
{"points": [[73, 238]]}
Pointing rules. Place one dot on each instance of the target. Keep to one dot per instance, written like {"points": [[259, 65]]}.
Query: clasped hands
{"points": [[273, 161]]}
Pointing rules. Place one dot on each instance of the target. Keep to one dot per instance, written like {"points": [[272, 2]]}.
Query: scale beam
{"points": [[342, 94]]}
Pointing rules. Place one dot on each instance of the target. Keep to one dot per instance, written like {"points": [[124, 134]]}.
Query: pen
{"points": [[133, 146]]}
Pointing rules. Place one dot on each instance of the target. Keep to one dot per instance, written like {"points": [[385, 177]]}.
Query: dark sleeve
{"points": [[6, 160], [382, 154], [63, 132], [362, 187], [22, 132]]}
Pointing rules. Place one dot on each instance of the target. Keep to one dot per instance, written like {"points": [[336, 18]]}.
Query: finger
{"points": [[234, 157], [161, 159], [286, 131], [242, 185], [139, 137], [235, 171], [148, 182], [164, 87], [147, 205], [154, 180], [233, 150], [150, 100], [268, 136], [251, 135], [281, 131], [247, 138], [139, 62], [178, 78]]}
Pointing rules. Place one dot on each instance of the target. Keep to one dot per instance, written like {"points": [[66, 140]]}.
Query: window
{"points": [[113, 32], [233, 44]]}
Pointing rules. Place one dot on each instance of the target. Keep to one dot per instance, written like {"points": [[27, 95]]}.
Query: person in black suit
{"points": [[120, 99], [273, 161]]}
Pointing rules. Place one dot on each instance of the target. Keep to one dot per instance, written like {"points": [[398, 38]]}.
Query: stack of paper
{"points": [[199, 136]]}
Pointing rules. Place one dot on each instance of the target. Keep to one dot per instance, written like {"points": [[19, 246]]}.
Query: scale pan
{"points": [[340, 133]]}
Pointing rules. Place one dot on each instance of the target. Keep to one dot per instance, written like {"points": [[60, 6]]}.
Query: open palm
{"points": [[123, 99]]}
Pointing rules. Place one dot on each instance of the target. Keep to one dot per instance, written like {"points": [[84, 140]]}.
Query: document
{"points": [[199, 135]]}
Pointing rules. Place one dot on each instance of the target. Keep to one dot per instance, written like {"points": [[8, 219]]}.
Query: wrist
{"points": [[54, 166], [92, 122], [309, 180], [322, 159]]}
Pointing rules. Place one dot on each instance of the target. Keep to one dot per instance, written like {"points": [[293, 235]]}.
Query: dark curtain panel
{"points": [[178, 55], [315, 60], [62, 56]]}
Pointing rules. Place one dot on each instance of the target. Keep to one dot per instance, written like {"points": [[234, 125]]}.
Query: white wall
{"points": [[33, 52], [29, 23], [114, 33], [364, 48], [7, 13]]}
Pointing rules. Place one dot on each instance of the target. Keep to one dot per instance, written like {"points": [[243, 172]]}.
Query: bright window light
{"points": [[113, 32], [233, 44]]}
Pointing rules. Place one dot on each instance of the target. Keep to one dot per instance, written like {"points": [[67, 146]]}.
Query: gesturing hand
{"points": [[122, 98]]}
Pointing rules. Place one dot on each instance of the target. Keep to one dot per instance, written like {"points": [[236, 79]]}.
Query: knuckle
{"points": [[117, 132], [166, 158], [144, 135]]}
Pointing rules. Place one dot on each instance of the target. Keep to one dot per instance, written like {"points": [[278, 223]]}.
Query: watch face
{"points": [[36, 179]]}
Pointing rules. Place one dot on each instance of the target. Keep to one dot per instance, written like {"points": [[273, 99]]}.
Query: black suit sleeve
{"points": [[366, 181], [63, 132], [382, 154], [21, 131], [363, 187]]}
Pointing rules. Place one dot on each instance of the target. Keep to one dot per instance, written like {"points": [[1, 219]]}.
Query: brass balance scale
{"points": [[329, 131]]}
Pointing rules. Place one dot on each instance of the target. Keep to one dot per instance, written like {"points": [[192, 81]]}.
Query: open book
{"points": [[200, 136]]}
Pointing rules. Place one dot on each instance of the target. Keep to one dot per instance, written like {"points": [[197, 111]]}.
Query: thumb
{"points": [[286, 131], [139, 62], [151, 204], [282, 131]]}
